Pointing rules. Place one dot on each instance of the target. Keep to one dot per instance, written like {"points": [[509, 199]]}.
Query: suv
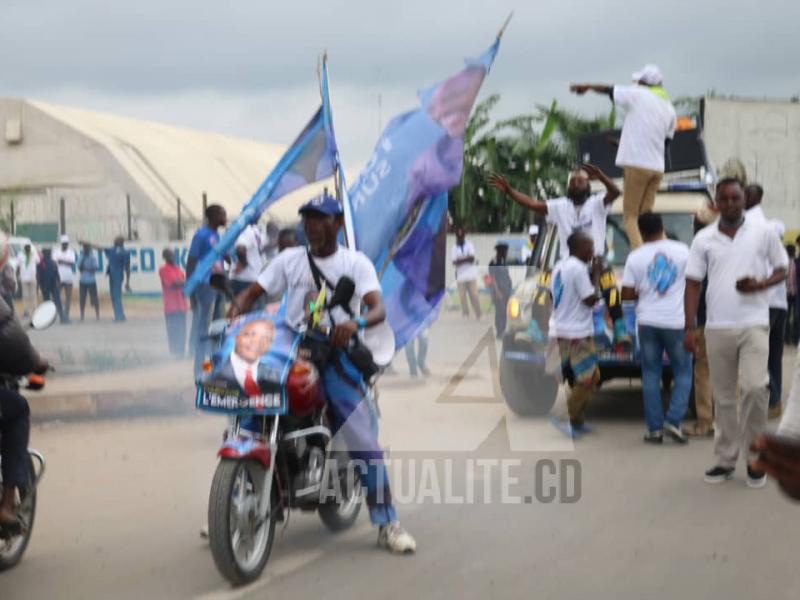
{"points": [[526, 372]]}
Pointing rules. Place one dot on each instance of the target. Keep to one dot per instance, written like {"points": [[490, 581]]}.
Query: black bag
{"points": [[356, 351]]}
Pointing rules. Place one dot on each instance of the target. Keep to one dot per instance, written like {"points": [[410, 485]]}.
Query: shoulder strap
{"points": [[317, 274], [319, 277]]}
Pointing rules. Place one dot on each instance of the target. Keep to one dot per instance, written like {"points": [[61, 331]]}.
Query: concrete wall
{"points": [[765, 136]]}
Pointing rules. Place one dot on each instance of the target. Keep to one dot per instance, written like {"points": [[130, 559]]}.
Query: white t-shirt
{"points": [[727, 260], [649, 121], [467, 271], [251, 239], [65, 272], [569, 285], [777, 293], [590, 218], [657, 271], [289, 271], [27, 268]]}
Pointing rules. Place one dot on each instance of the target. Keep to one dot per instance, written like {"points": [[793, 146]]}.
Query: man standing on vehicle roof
{"points": [[582, 211], [344, 386], [649, 125]]}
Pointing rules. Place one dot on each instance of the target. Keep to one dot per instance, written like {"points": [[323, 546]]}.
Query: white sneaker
{"points": [[396, 539], [204, 531]]}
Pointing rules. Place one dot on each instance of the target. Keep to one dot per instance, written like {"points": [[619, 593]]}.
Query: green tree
{"points": [[535, 152]]}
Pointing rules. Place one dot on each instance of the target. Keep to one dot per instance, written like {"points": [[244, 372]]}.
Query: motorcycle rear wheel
{"points": [[12, 549], [240, 539]]}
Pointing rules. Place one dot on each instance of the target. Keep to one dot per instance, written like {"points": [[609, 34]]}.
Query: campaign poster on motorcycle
{"points": [[249, 369]]}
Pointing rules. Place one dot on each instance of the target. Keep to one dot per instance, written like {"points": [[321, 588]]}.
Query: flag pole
{"points": [[339, 183], [505, 24]]}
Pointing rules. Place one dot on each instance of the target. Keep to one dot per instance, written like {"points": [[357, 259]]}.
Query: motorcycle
{"points": [[14, 539], [282, 459]]}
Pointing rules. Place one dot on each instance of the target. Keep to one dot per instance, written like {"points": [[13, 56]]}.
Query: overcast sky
{"points": [[248, 68]]}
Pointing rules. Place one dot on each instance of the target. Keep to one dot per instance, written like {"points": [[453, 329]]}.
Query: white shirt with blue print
{"points": [[657, 271]]}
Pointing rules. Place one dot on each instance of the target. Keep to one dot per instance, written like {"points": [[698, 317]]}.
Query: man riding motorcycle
{"points": [[291, 271], [17, 357]]}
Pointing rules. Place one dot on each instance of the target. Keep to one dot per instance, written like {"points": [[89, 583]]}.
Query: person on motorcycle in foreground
{"points": [[344, 386], [17, 357]]}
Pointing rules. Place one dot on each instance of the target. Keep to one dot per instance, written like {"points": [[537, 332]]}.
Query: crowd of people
{"points": [[718, 309]]}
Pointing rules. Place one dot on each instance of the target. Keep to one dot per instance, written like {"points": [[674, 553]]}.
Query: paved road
{"points": [[123, 500]]}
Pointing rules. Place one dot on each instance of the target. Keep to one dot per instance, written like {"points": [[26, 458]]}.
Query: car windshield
{"points": [[678, 226]]}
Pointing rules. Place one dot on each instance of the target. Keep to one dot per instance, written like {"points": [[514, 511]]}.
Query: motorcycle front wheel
{"points": [[12, 547], [240, 538]]}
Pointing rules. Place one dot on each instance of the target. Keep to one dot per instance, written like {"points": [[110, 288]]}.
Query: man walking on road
{"points": [[249, 261], [466, 274], [778, 304], [649, 125], [66, 259], [574, 297], [655, 277], [207, 303], [734, 253]]}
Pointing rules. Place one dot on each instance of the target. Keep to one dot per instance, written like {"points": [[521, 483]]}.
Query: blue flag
{"points": [[310, 158], [399, 201]]}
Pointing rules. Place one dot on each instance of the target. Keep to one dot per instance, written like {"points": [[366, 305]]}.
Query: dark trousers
{"points": [[14, 431], [176, 333], [500, 316], [115, 289], [777, 327], [793, 320], [53, 294], [209, 305], [89, 289]]}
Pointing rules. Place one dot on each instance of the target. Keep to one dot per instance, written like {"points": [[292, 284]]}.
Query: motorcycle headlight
{"points": [[513, 308]]}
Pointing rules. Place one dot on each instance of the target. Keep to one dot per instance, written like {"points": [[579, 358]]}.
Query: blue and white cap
{"points": [[324, 204]]}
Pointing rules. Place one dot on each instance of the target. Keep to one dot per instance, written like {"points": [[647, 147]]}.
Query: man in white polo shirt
{"points": [[572, 325], [65, 257], [778, 303], [649, 124], [655, 277], [734, 253]]}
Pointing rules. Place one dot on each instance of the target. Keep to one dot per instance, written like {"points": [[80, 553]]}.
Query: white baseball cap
{"points": [[533, 230], [649, 74], [65, 239]]}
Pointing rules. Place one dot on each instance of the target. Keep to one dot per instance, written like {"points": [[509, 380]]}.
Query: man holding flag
{"points": [[293, 272]]}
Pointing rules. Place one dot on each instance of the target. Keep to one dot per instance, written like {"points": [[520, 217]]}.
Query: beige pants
{"points": [[638, 197], [702, 384], [738, 359], [471, 288], [28, 297]]}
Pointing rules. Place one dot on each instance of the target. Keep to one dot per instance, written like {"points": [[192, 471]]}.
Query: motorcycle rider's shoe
{"points": [[396, 539], [204, 531]]}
